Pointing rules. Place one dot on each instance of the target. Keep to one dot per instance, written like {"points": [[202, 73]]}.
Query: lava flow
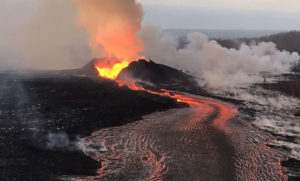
{"points": [[156, 146], [188, 140]]}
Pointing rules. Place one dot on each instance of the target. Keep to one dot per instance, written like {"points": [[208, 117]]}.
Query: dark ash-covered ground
{"points": [[43, 114], [290, 86]]}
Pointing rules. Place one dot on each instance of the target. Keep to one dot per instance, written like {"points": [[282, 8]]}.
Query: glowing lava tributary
{"points": [[111, 71], [112, 67]]}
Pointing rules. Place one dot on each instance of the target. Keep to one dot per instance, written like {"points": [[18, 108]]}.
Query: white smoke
{"points": [[59, 141], [41, 34], [62, 141], [218, 66]]}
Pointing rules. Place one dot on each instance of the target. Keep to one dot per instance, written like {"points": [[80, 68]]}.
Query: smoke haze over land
{"points": [[41, 34], [49, 35], [61, 34]]}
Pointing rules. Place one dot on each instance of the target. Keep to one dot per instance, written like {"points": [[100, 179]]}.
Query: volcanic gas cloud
{"points": [[112, 26]]}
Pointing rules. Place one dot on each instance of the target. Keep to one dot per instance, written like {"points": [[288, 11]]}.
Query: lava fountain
{"points": [[110, 68], [112, 26]]}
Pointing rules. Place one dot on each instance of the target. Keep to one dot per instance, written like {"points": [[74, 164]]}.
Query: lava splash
{"points": [[110, 68]]}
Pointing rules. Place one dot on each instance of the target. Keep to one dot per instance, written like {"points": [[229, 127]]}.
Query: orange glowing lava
{"points": [[178, 97], [111, 71]]}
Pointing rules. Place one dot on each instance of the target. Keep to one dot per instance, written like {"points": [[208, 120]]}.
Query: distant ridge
{"points": [[289, 41], [221, 34]]}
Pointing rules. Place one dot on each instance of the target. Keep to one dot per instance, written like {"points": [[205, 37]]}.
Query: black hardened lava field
{"points": [[44, 114]]}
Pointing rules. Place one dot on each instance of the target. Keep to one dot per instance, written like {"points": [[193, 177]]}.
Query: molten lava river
{"points": [[202, 142]]}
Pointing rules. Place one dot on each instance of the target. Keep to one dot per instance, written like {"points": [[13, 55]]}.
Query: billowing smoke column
{"points": [[218, 66], [41, 34], [112, 26]]}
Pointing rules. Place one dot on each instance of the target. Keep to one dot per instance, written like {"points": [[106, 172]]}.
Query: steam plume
{"points": [[112, 25], [218, 66]]}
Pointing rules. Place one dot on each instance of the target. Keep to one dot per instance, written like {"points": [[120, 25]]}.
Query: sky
{"points": [[223, 14]]}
